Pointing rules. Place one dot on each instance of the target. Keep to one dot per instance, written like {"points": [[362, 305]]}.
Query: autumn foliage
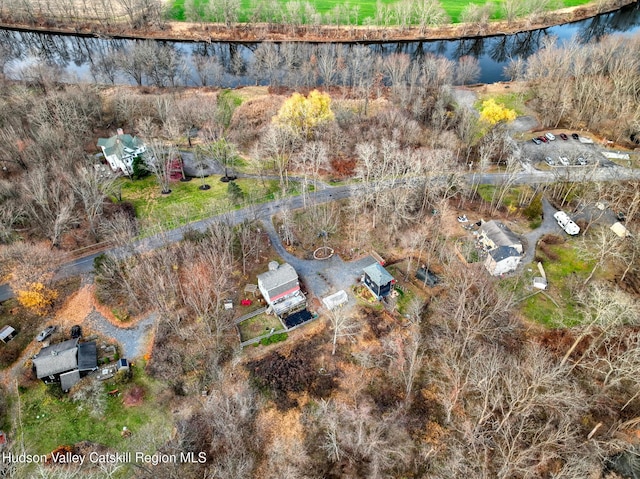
{"points": [[494, 113], [37, 297], [302, 114]]}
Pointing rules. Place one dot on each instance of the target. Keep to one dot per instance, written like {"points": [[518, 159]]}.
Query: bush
{"points": [[534, 210], [274, 338], [139, 168]]}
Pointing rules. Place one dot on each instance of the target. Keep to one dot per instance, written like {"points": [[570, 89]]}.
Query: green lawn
{"points": [[365, 8], [512, 101], [571, 266], [48, 422], [258, 325], [187, 203]]}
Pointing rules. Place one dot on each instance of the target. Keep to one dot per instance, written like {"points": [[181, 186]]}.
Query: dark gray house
{"points": [[66, 362], [378, 280]]}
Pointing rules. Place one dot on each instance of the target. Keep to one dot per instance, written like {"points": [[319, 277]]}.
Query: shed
{"points": [[427, 276], [619, 229], [540, 283], [335, 300], [7, 333], [378, 280]]}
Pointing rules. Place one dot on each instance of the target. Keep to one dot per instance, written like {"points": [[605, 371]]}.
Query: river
{"points": [[74, 56]]}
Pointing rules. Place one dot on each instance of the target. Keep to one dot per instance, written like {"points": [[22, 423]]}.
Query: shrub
{"points": [[139, 168], [274, 338], [534, 210]]}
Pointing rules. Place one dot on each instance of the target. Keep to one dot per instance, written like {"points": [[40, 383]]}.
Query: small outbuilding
{"points": [[378, 280], [540, 283], [620, 230], [7, 333], [335, 300]]}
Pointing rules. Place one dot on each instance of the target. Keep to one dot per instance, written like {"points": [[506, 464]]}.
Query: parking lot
{"points": [[570, 150]]}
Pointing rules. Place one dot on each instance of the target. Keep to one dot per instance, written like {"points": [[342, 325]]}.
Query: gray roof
{"points": [[378, 274], [57, 358], [87, 356], [503, 252], [6, 331], [117, 143], [68, 380], [283, 275], [499, 233]]}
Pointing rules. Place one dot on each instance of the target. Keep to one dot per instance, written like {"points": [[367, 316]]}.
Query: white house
{"points": [[120, 150], [280, 288], [501, 260]]}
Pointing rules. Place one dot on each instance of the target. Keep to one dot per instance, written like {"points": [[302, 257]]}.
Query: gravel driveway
{"points": [[322, 277], [132, 340]]}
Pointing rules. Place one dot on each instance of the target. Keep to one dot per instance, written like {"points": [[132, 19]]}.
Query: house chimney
{"points": [[120, 132]]}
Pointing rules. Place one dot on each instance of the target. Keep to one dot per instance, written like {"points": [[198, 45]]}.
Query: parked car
{"points": [[45, 333], [536, 141], [564, 161], [549, 161], [564, 137], [575, 136], [581, 161], [550, 136], [76, 331], [543, 139]]}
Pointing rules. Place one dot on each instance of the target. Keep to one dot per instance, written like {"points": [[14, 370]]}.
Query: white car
{"points": [[550, 136], [564, 161], [549, 161]]}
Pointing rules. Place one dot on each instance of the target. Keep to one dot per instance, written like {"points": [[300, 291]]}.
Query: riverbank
{"points": [[249, 33]]}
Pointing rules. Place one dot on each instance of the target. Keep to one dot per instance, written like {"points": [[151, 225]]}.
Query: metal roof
{"points": [[378, 274], [87, 356], [68, 380], [6, 331], [499, 233], [283, 275], [503, 252], [56, 362]]}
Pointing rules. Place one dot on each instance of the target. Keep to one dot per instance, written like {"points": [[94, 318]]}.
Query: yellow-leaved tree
{"points": [[29, 269], [303, 114], [493, 112], [36, 297]]}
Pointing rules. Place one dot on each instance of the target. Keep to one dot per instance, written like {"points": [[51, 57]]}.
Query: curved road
{"points": [[265, 211]]}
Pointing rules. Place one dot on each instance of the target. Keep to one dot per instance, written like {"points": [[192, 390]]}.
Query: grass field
{"points": [[48, 422], [258, 325], [365, 8], [571, 265], [187, 203]]}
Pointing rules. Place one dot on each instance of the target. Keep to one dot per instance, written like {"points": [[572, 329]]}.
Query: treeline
{"points": [[594, 86]]}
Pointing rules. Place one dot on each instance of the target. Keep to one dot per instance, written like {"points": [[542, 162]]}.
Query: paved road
{"points": [[265, 211]]}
